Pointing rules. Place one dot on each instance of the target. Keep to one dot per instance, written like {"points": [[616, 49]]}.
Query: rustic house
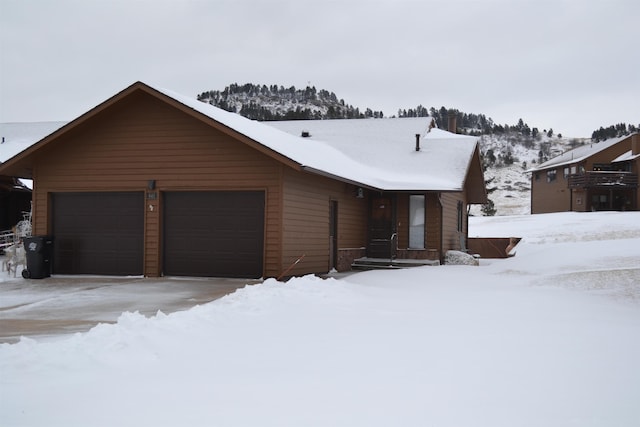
{"points": [[597, 176], [15, 198], [15, 195], [154, 183]]}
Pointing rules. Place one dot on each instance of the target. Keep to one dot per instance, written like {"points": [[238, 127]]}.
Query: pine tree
{"points": [[489, 208]]}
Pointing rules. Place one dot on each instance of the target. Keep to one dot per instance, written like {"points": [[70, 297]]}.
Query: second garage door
{"points": [[214, 233]]}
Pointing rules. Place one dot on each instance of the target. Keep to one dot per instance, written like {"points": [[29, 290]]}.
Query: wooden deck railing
{"points": [[7, 238], [603, 179]]}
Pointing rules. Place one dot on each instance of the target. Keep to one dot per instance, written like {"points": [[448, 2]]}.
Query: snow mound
{"points": [[459, 258]]}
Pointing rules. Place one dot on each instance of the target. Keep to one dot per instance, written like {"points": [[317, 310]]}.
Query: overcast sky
{"points": [[572, 65]]}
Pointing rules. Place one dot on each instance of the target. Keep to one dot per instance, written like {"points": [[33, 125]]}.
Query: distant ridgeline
{"points": [[264, 103], [273, 102]]}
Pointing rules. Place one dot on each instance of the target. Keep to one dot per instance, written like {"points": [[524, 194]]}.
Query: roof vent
{"points": [[305, 134]]}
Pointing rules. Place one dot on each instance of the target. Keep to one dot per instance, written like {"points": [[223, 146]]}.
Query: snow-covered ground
{"points": [[549, 337]]}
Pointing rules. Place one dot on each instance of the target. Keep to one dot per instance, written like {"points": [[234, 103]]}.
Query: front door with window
{"points": [[382, 230]]}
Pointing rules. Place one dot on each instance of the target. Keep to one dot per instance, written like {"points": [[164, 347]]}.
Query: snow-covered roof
{"points": [[378, 153], [375, 153], [578, 154], [16, 137], [625, 157], [388, 146]]}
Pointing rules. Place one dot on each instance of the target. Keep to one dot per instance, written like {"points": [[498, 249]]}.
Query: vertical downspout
{"points": [[441, 243], [635, 150]]}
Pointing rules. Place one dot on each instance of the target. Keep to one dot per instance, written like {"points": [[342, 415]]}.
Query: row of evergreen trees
{"points": [[613, 131], [257, 102], [474, 124], [273, 102]]}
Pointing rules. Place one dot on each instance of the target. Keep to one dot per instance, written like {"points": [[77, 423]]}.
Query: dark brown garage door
{"points": [[214, 234], [98, 233]]}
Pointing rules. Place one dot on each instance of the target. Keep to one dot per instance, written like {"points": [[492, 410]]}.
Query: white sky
{"points": [[572, 65]]}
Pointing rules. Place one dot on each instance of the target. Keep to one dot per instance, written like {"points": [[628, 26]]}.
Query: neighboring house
{"points": [[593, 177], [15, 198], [154, 183], [15, 195]]}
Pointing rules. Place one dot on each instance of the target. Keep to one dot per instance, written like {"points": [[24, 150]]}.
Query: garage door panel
{"points": [[214, 234], [98, 233]]}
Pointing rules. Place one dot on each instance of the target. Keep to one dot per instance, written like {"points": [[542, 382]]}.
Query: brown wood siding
{"points": [[450, 233], [402, 218], [553, 196], [475, 186], [306, 201], [141, 139], [433, 222]]}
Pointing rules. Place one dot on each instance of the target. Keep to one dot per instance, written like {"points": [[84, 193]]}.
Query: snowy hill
{"points": [[262, 102]]}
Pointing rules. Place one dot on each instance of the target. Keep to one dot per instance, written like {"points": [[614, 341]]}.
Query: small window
{"points": [[601, 167], [566, 173], [551, 175]]}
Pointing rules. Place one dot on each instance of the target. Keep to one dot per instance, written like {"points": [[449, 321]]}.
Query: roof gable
{"points": [[579, 154]]}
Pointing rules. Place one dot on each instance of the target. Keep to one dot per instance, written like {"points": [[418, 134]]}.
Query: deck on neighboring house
{"points": [[603, 179]]}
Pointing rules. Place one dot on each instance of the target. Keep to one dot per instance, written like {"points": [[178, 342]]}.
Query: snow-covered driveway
{"points": [[65, 304]]}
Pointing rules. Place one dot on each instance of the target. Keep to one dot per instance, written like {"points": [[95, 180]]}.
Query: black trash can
{"points": [[38, 252]]}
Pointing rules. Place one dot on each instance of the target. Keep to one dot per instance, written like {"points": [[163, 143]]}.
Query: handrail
{"points": [[8, 238], [393, 236]]}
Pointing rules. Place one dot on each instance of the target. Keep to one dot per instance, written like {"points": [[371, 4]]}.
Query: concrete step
{"points": [[388, 264]]}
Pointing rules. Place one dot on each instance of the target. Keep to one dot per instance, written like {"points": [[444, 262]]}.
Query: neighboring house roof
{"points": [[578, 154], [625, 157], [381, 154], [388, 146], [8, 183], [16, 137]]}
